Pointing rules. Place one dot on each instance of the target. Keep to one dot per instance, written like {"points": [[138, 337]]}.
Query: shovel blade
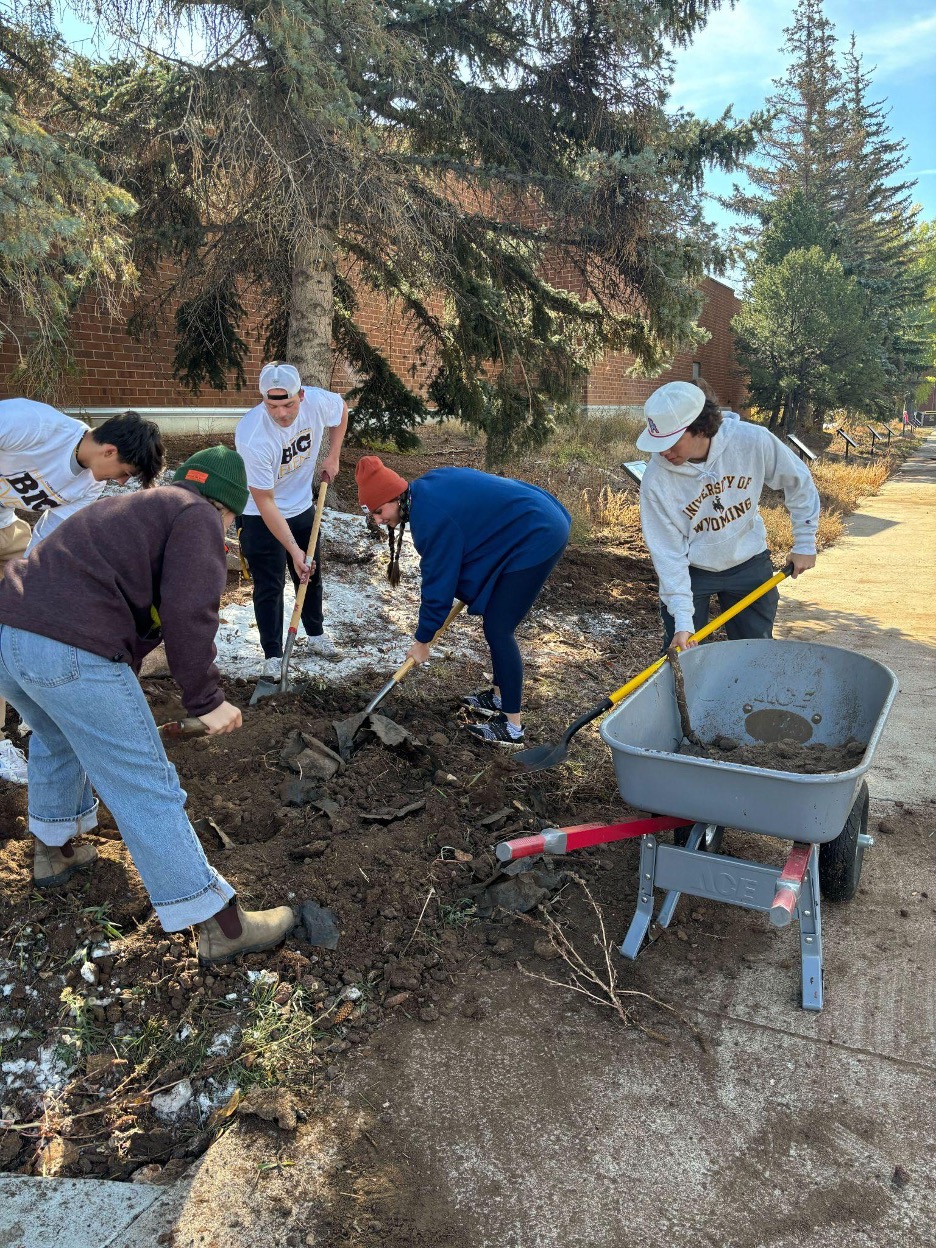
{"points": [[542, 757], [264, 689]]}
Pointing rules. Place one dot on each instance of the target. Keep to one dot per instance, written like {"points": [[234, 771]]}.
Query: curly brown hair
{"points": [[708, 421]]}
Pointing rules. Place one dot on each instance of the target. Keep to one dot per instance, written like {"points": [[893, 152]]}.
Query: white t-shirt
{"points": [[283, 460], [38, 468]]}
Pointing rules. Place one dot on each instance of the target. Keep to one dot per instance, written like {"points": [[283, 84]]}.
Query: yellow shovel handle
{"points": [[636, 681]]}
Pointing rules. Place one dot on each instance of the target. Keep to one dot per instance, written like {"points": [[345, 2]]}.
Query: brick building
{"points": [[115, 370]]}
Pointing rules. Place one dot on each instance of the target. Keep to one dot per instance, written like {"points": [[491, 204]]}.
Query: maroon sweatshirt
{"points": [[92, 581]]}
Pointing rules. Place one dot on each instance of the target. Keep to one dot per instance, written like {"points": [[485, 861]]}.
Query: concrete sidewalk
{"points": [[545, 1124]]}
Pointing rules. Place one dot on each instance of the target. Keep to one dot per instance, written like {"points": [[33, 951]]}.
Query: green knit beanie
{"points": [[218, 473]]}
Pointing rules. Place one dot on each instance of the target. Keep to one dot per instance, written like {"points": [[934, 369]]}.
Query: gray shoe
{"points": [[323, 647], [52, 866], [272, 669]]}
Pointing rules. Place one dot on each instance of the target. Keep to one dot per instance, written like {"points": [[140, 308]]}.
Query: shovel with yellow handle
{"points": [[542, 757]]}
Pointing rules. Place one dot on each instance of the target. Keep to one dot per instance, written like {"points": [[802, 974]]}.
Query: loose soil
{"points": [[119, 1052], [784, 755], [123, 1057]]}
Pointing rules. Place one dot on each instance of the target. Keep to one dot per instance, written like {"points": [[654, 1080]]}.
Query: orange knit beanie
{"points": [[377, 484]]}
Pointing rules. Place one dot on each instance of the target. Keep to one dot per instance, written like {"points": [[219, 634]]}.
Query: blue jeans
{"points": [[91, 726], [731, 586]]}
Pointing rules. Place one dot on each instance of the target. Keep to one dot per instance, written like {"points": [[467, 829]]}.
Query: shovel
{"points": [[180, 729], [346, 729], [266, 688], [542, 757]]}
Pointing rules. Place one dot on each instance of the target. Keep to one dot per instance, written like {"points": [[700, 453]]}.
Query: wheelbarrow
{"points": [[753, 691]]}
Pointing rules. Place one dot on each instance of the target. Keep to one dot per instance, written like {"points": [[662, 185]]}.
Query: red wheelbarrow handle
{"points": [[563, 840]]}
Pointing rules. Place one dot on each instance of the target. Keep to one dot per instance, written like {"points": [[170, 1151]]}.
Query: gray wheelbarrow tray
{"points": [[774, 689]]}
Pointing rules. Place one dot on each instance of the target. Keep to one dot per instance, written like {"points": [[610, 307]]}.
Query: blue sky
{"points": [[740, 51]]}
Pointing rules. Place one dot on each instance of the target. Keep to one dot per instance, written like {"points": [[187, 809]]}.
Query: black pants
{"points": [[509, 603], [731, 586], [268, 563]]}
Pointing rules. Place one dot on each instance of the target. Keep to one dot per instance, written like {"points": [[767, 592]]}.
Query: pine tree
{"points": [[447, 154], [802, 150], [831, 152], [63, 227]]}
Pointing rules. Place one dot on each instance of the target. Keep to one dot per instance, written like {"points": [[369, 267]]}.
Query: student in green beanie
{"points": [[76, 620]]}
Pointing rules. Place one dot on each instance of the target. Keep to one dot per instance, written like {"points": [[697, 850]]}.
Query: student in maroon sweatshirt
{"points": [[76, 620]]}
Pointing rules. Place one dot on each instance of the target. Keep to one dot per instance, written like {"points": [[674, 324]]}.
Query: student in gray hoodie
{"points": [[699, 512]]}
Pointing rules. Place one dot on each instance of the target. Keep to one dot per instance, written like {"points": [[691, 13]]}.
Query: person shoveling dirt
{"points": [[489, 541]]}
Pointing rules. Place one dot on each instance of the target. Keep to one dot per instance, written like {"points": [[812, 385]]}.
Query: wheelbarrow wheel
{"points": [[681, 837], [840, 859]]}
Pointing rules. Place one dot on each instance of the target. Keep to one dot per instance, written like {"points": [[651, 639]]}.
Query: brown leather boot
{"points": [[233, 931], [54, 864]]}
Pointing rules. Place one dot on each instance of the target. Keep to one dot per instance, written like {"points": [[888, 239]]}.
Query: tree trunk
{"points": [[311, 306], [775, 415]]}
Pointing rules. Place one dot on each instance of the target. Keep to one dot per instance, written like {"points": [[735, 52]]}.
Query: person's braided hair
{"points": [[393, 567]]}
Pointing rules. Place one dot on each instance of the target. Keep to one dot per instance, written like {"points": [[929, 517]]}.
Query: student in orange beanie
{"points": [[489, 541]]}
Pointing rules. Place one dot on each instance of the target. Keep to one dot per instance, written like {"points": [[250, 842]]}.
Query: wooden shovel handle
{"points": [[401, 671], [310, 551]]}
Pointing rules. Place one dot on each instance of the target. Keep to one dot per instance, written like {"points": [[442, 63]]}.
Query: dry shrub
{"points": [[580, 465]]}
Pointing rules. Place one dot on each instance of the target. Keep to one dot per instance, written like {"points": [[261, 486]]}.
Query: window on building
{"points": [[696, 370]]}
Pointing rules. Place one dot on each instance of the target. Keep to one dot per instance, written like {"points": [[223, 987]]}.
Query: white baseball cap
{"points": [[669, 412], [277, 376]]}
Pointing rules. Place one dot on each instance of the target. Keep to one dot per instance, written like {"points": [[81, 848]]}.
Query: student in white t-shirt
{"points": [[52, 464], [279, 441]]}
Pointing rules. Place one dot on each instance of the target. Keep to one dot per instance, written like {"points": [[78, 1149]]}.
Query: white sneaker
{"points": [[12, 763], [272, 669], [323, 647]]}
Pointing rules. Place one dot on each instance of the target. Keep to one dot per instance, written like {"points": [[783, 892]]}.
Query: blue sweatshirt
{"points": [[470, 527]]}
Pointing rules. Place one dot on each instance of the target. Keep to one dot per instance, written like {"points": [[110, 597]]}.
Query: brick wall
{"points": [[116, 371], [609, 387]]}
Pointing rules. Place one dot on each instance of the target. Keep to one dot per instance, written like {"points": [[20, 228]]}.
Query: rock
{"points": [[318, 925], [728, 743], [438, 739], [900, 1178], [170, 1103], [57, 1156], [429, 1014], [887, 827], [545, 949], [271, 1104], [681, 934]]}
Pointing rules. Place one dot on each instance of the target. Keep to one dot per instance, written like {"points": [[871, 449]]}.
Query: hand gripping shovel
{"points": [[542, 757], [266, 688], [347, 729]]}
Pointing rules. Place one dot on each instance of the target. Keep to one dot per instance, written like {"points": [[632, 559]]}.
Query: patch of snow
{"points": [[214, 1095], [49, 1071], [100, 951], [89, 972], [370, 622], [222, 1044], [169, 1104], [262, 977], [183, 1034]]}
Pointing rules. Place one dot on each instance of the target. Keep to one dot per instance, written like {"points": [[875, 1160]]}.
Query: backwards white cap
{"points": [[277, 376], [669, 412]]}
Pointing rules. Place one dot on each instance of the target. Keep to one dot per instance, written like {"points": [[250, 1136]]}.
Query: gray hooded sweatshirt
{"points": [[705, 515]]}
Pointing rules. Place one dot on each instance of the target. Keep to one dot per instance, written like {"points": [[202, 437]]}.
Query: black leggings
{"points": [[512, 597], [268, 563]]}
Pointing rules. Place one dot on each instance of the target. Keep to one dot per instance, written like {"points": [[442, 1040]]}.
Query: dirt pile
{"points": [[119, 1051], [811, 759]]}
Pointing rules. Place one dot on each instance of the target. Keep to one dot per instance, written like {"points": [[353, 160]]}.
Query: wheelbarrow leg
{"points": [[643, 915], [810, 925], [671, 900]]}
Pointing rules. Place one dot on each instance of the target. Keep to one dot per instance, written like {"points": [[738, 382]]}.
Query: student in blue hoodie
{"points": [[489, 541]]}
